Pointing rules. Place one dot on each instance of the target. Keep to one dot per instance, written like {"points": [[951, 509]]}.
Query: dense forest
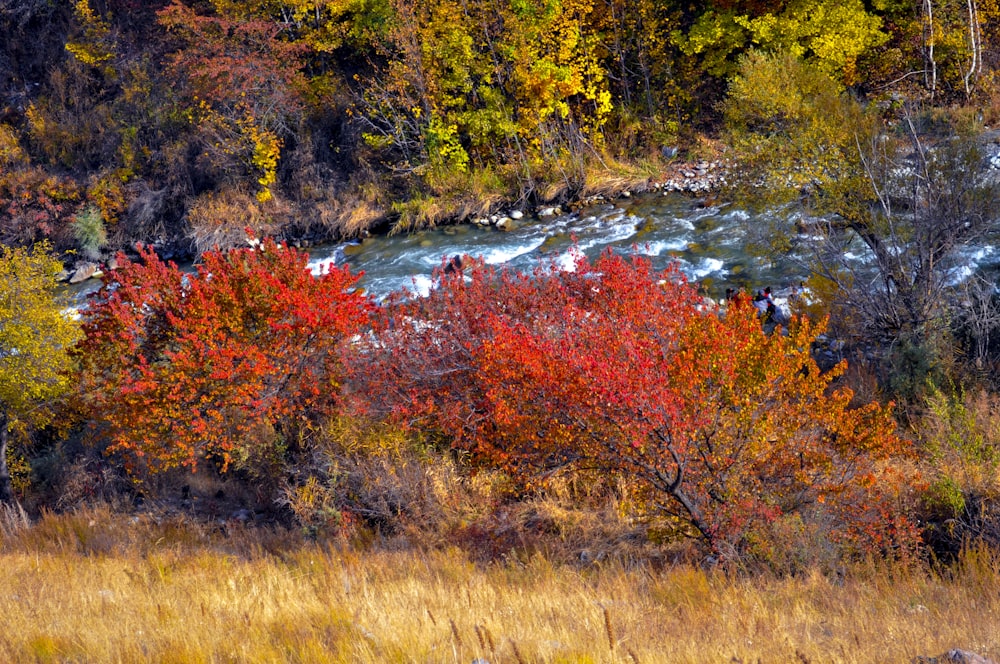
{"points": [[185, 123], [504, 411]]}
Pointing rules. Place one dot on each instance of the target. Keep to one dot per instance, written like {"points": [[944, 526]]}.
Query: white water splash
{"points": [[662, 246], [501, 255]]}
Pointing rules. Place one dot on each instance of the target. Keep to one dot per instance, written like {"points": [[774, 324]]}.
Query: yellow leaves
{"points": [[36, 120], [444, 148], [35, 335], [10, 149], [93, 48], [266, 152], [831, 34]]}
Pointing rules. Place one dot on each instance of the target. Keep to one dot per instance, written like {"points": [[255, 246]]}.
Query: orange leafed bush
{"points": [[722, 428]]}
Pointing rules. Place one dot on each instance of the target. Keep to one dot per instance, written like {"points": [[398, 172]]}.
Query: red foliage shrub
{"points": [[35, 206], [228, 363], [722, 428]]}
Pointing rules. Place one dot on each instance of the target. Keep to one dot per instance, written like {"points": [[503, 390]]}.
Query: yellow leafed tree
{"points": [[35, 339]]}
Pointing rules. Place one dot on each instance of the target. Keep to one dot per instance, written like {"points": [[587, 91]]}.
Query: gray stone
{"points": [[954, 656]]}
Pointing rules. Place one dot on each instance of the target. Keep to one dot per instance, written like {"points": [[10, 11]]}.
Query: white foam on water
{"points": [[318, 267], [959, 274], [421, 285], [502, 255], [567, 260], [981, 253], [616, 233], [660, 247], [706, 267]]}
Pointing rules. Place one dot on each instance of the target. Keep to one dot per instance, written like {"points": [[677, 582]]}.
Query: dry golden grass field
{"points": [[96, 587]]}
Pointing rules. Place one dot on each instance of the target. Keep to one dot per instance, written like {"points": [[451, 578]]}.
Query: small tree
{"points": [[226, 364], [908, 202], [613, 367], [35, 337]]}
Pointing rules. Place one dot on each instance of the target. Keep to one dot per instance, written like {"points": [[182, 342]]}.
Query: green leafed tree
{"points": [[35, 336]]}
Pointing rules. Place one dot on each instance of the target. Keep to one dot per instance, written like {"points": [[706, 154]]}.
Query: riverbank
{"points": [[699, 179]]}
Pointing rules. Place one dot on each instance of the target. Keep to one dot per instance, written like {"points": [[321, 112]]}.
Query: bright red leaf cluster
{"points": [[613, 366], [225, 363]]}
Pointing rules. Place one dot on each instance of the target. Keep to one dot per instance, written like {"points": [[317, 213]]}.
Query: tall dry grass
{"points": [[93, 586]]}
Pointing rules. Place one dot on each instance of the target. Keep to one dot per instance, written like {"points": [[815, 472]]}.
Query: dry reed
{"points": [[97, 587]]}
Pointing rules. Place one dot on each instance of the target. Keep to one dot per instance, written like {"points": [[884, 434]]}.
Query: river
{"points": [[709, 243]]}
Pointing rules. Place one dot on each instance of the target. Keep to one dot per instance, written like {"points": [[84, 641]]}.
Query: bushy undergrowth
{"points": [[960, 435]]}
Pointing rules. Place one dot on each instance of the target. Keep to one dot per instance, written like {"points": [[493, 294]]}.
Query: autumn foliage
{"points": [[228, 364], [719, 428]]}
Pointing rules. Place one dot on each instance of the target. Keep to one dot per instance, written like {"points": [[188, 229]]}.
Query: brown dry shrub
{"points": [[223, 219], [381, 479]]}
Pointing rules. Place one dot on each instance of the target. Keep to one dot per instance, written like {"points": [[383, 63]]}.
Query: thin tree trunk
{"points": [[6, 489], [973, 44], [929, 50]]}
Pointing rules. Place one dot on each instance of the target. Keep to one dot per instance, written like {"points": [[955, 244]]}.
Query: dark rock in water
{"points": [[706, 224]]}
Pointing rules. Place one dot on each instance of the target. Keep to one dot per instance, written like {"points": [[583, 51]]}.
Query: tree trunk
{"points": [[6, 489]]}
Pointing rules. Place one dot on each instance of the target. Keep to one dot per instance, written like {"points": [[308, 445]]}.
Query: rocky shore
{"points": [[696, 178], [699, 178]]}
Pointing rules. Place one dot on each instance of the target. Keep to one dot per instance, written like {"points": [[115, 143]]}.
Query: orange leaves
{"points": [[613, 366], [187, 366]]}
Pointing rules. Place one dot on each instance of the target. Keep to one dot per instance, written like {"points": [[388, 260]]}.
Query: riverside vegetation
{"points": [[584, 465]]}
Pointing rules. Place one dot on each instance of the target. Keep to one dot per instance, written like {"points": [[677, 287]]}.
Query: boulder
{"points": [[83, 272], [515, 214], [954, 656]]}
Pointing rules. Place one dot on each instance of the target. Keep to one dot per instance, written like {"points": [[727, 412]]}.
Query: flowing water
{"points": [[708, 242]]}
